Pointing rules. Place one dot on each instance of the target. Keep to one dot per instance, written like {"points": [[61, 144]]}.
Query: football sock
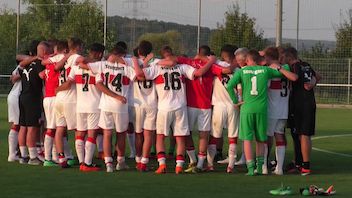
{"points": [[232, 154], [62, 158], [79, 144], [280, 154], [120, 159], [250, 167], [54, 154], [131, 142], [100, 143], [23, 151], [211, 154], [48, 144], [201, 159], [180, 160], [33, 152], [145, 160], [138, 159], [260, 162], [89, 150], [192, 156], [108, 160], [67, 149], [13, 142], [297, 147], [306, 165], [161, 158]]}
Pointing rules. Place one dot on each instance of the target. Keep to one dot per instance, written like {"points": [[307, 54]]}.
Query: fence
{"points": [[185, 25]]}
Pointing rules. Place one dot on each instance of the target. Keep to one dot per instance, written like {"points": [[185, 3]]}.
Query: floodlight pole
{"points": [[105, 20], [278, 22], [18, 25], [297, 27], [199, 22]]}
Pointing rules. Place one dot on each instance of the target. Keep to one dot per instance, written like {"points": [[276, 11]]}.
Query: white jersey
{"points": [[170, 84], [17, 86], [220, 94], [88, 95], [67, 96], [278, 95], [56, 58], [117, 77]]}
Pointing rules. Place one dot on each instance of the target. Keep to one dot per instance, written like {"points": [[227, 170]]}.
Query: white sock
{"points": [[100, 143], [108, 160], [120, 159], [232, 155], [131, 142], [201, 159], [211, 154], [33, 152], [54, 154], [13, 142], [265, 165], [89, 150], [138, 159], [280, 156], [180, 160], [162, 160], [67, 149], [48, 146], [145, 160], [192, 156], [79, 144], [23, 151]]}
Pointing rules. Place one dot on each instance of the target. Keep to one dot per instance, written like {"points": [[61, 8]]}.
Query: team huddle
{"points": [[249, 93]]}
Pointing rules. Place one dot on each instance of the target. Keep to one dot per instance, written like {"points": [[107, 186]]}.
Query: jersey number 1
{"points": [[254, 90]]}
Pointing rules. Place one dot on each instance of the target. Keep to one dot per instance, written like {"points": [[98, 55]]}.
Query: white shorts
{"points": [[225, 117], [13, 108], [110, 120], [276, 126], [87, 121], [145, 118], [201, 117], [177, 120], [49, 105], [65, 115]]}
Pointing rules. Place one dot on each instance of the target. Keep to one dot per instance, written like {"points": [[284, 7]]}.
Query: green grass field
{"points": [[27, 181]]}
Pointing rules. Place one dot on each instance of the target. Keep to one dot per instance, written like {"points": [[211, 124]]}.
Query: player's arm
{"points": [[147, 59], [42, 74], [168, 62], [110, 93], [201, 71], [15, 78], [65, 86], [284, 70], [231, 85], [137, 69], [59, 65], [316, 77], [24, 63], [21, 57]]}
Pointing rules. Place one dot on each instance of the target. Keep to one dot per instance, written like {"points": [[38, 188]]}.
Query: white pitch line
{"points": [[331, 152]]}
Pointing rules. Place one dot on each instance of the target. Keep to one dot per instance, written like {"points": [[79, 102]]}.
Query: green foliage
{"points": [[7, 40], [238, 29], [317, 51], [171, 38], [344, 37]]}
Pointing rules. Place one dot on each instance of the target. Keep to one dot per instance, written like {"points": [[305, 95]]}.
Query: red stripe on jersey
{"points": [[125, 80], [82, 80], [275, 84], [159, 80], [183, 79], [68, 70]]}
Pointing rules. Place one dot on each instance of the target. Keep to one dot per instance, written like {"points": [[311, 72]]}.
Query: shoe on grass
{"points": [[49, 163], [283, 190]]}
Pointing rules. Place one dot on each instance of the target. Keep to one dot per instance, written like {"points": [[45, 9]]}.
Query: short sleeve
{"points": [[94, 67], [71, 75], [216, 69], [151, 72], [188, 71], [130, 73], [99, 75]]}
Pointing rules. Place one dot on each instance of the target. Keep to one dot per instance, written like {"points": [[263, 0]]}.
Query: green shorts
{"points": [[253, 124]]}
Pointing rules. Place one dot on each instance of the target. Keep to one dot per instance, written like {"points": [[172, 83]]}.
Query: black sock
{"points": [[297, 147], [306, 165]]}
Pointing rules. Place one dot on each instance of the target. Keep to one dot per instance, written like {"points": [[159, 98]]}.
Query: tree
{"points": [[344, 37], [171, 38], [317, 51], [238, 29], [7, 40]]}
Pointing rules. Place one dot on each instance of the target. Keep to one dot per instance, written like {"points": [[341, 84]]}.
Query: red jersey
{"points": [[199, 91], [51, 80]]}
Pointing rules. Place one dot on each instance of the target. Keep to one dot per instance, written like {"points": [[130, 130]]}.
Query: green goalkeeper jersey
{"points": [[254, 81]]}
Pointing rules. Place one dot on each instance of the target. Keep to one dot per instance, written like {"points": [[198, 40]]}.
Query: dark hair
{"points": [[97, 47], [272, 52], [121, 44], [204, 50], [74, 42], [145, 48], [32, 49], [292, 51], [166, 49], [117, 50], [229, 49], [254, 55], [61, 45], [135, 52]]}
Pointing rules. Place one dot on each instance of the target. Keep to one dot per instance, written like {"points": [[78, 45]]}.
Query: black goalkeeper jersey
{"points": [[32, 84], [305, 74]]}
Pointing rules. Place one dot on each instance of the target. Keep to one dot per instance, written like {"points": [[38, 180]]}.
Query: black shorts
{"points": [[304, 118], [30, 111]]}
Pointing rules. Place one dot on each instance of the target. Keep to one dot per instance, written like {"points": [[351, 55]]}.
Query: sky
{"points": [[318, 18]]}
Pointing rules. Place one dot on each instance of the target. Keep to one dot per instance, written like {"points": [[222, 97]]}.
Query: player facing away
{"points": [[113, 80], [30, 103], [51, 78], [172, 104], [65, 105], [253, 116], [224, 113], [278, 95], [88, 98]]}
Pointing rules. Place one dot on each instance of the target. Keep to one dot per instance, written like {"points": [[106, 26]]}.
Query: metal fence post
{"points": [[349, 81]]}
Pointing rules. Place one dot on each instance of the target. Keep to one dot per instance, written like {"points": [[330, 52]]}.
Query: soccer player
{"points": [[30, 103], [14, 114], [278, 95], [172, 111], [51, 78], [304, 108], [113, 80], [224, 113], [65, 105], [253, 116], [87, 110]]}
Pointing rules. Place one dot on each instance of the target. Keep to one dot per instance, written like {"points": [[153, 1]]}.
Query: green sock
{"points": [[250, 168], [260, 162]]}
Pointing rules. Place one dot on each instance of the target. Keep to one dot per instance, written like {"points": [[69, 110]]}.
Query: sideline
{"points": [[327, 151]]}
